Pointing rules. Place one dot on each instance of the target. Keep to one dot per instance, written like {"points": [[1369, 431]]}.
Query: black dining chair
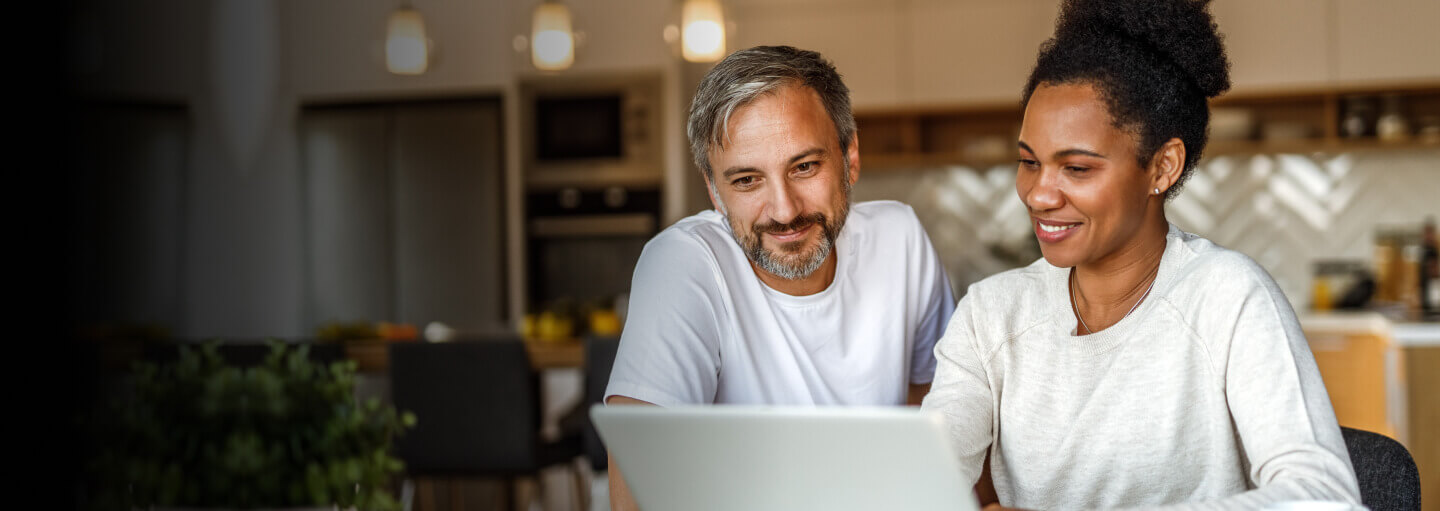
{"points": [[478, 409], [599, 358], [1387, 474]]}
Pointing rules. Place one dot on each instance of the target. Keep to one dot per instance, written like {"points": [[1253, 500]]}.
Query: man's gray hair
{"points": [[748, 74]]}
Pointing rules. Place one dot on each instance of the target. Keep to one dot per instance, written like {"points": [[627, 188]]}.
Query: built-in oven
{"points": [[591, 150], [583, 244]]}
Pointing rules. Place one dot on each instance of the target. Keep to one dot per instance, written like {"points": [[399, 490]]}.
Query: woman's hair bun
{"points": [[1181, 31]]}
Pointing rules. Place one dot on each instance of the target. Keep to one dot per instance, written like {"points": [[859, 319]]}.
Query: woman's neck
{"points": [[1106, 290]]}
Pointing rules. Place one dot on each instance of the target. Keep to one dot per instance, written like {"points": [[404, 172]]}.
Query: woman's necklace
{"points": [[1075, 306]]}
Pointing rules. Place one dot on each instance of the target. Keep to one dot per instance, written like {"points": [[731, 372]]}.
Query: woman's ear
{"points": [[1167, 165]]}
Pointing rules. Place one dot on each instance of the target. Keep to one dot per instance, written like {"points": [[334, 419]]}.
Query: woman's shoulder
{"points": [[1024, 288], [1199, 258], [1204, 272]]}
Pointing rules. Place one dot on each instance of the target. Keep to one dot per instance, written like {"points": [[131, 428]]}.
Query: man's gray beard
{"points": [[766, 260], [754, 247]]}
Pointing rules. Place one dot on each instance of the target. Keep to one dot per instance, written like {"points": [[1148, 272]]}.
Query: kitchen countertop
{"points": [[1409, 334]]}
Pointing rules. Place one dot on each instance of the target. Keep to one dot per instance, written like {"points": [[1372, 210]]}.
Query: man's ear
{"points": [[1167, 165], [852, 153], [714, 198]]}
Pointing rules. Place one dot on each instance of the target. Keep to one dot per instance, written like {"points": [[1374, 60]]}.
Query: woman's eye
{"points": [[1029, 163]]}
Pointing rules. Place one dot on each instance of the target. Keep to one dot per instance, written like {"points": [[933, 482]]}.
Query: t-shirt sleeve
{"points": [[669, 349], [961, 392], [936, 305]]}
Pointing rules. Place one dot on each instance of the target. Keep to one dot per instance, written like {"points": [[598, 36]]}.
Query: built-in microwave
{"points": [[591, 131]]}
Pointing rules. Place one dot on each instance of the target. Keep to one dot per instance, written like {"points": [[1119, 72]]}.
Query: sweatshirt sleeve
{"points": [[1281, 411], [961, 393]]}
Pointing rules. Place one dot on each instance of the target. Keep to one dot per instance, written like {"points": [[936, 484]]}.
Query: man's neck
{"points": [[818, 280]]}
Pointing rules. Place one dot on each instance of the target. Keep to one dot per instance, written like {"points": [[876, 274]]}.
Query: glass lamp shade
{"points": [[407, 50], [702, 36], [552, 44]]}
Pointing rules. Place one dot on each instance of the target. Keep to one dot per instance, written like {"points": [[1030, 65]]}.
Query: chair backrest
{"points": [[599, 358], [1387, 474], [477, 405]]}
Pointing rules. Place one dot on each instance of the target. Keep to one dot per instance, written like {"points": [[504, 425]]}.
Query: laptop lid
{"points": [[730, 457]]}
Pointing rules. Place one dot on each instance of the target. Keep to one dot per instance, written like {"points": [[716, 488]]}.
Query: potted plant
{"points": [[201, 433]]}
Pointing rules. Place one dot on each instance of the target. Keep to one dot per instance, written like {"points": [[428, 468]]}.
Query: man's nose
{"points": [[784, 203]]}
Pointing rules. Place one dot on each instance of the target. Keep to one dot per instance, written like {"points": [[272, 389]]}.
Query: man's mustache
{"points": [[799, 222]]}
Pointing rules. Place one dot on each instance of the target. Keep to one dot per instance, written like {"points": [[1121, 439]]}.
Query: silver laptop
{"points": [[783, 458]]}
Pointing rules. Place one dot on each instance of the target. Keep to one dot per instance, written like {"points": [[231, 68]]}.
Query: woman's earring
{"points": [[1157, 191]]}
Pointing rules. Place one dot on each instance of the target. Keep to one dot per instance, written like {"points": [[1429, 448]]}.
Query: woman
{"points": [[1135, 364]]}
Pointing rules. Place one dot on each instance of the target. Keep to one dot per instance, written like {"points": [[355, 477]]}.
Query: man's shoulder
{"points": [[884, 212], [698, 241], [692, 232], [885, 219]]}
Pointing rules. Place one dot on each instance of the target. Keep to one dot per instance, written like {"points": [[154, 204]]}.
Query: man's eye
{"points": [[1029, 163], [743, 181], [807, 166], [1077, 169]]}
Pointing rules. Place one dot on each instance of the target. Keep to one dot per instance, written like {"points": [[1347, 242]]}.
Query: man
{"points": [[784, 294]]}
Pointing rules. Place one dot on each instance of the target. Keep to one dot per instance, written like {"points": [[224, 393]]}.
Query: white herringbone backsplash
{"points": [[1286, 211]]}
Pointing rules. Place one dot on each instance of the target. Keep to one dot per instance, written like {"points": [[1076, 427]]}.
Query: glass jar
{"points": [[1392, 125], [1355, 122]]}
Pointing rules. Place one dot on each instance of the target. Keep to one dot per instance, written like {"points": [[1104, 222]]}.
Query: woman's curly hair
{"points": [[1155, 62]]}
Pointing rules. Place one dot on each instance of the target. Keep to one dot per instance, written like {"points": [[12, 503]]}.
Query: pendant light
{"points": [[407, 49], [702, 32], [552, 44]]}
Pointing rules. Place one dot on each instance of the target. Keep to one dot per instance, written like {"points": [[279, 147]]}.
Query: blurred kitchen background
{"points": [[364, 173]]}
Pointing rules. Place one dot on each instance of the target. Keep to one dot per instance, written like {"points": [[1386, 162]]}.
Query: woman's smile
{"points": [[1049, 231]]}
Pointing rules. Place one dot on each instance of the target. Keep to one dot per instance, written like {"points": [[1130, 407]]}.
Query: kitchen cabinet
{"points": [[1381, 376], [860, 38], [346, 171], [973, 52], [1421, 344], [447, 228], [403, 213], [1362, 368], [1389, 40], [909, 54], [1276, 43]]}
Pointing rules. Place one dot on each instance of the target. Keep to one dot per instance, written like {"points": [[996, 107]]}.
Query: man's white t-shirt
{"points": [[702, 328]]}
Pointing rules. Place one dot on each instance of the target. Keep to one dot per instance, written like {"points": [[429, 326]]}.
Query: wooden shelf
{"points": [[1308, 146], [889, 162], [981, 136]]}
